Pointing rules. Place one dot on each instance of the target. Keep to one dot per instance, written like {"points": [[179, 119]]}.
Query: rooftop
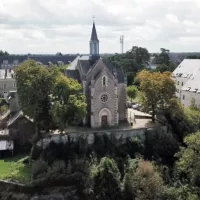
{"points": [[187, 69]]}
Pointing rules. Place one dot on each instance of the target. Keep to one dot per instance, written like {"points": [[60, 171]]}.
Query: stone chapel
{"points": [[103, 84]]}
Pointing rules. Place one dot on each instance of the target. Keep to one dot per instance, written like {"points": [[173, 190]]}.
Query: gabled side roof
{"points": [[187, 68], [44, 59]]}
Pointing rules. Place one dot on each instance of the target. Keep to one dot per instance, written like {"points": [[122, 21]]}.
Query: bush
{"points": [[39, 167], [161, 146], [142, 182], [106, 180]]}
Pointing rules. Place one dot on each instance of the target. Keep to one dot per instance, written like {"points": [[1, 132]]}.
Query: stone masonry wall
{"points": [[117, 137], [98, 105]]}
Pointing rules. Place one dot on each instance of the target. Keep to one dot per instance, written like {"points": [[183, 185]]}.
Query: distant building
{"points": [[152, 63], [7, 82], [103, 84], [187, 77], [12, 61]]}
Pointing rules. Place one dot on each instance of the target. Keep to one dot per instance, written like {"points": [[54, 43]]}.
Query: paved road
{"points": [[138, 123]]}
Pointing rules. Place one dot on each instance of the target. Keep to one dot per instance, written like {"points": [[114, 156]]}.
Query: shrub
{"points": [[106, 180], [39, 167], [161, 146], [142, 182]]}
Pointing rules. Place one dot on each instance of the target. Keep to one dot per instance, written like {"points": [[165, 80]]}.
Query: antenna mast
{"points": [[122, 43]]}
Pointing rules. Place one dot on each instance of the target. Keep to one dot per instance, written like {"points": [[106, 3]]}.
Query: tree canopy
{"points": [[132, 91], [4, 53], [48, 97], [132, 61], [157, 90]]}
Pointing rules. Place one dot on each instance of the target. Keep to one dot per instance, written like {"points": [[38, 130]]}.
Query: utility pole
{"points": [[122, 43]]}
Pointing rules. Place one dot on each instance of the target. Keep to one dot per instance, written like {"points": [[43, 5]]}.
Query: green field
{"points": [[14, 169]]}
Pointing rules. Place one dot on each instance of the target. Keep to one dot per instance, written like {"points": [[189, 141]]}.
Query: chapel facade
{"points": [[103, 84]]}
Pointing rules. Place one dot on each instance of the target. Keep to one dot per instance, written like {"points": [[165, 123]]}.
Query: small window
{"points": [[182, 83], [177, 90], [178, 83], [4, 85], [14, 85], [104, 81], [183, 97]]}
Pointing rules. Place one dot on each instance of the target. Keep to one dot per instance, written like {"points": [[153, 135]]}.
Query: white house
{"points": [[187, 78]]}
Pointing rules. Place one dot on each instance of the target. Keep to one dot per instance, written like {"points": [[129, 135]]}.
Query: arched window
{"points": [[104, 81]]}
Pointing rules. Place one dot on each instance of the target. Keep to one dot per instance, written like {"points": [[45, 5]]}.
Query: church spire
{"points": [[94, 33], [94, 42]]}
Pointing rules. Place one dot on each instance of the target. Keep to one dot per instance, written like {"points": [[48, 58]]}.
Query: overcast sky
{"points": [[50, 26]]}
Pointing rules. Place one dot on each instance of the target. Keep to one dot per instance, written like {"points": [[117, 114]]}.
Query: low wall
{"points": [[117, 137]]}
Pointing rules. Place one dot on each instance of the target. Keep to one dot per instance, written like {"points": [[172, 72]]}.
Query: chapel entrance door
{"points": [[104, 120]]}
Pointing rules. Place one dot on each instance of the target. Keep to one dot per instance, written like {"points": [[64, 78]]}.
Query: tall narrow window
{"points": [[4, 85], [14, 85], [104, 81]]}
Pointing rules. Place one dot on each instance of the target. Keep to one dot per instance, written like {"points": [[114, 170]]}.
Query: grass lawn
{"points": [[14, 169]]}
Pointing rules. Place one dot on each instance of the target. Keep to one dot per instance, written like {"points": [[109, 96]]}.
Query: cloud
{"points": [[38, 26]]}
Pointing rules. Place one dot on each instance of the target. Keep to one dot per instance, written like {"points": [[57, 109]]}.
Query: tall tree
{"points": [[163, 58], [131, 62], [142, 182], [157, 90], [68, 103], [46, 96], [4, 53], [34, 85], [106, 178]]}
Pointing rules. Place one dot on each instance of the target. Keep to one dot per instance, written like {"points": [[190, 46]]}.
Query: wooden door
{"points": [[104, 120]]}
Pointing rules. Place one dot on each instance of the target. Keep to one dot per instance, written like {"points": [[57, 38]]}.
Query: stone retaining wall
{"points": [[116, 136]]}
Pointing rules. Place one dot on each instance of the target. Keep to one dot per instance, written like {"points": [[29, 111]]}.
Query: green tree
{"points": [[183, 120], [141, 55], [163, 58], [142, 182], [34, 85], [132, 91], [106, 179], [164, 68], [4, 53], [68, 103], [157, 90], [161, 146], [131, 62], [189, 159]]}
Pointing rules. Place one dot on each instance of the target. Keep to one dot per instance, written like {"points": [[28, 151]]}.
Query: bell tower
{"points": [[94, 42]]}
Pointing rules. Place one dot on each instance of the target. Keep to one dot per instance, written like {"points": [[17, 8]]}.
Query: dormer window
{"points": [[104, 81]]}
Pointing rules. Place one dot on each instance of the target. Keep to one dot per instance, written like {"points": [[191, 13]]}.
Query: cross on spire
{"points": [[93, 18]]}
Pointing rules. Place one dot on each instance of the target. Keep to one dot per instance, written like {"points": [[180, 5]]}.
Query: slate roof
{"points": [[85, 65], [74, 63], [193, 85], [44, 59], [118, 70], [73, 74], [94, 34], [187, 69]]}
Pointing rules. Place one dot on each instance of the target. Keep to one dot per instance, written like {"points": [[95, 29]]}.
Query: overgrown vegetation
{"points": [[15, 169]]}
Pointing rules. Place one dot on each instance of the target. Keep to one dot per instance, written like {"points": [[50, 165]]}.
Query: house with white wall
{"points": [[187, 78], [7, 82]]}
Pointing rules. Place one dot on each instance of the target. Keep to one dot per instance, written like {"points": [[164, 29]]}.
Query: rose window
{"points": [[104, 98]]}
